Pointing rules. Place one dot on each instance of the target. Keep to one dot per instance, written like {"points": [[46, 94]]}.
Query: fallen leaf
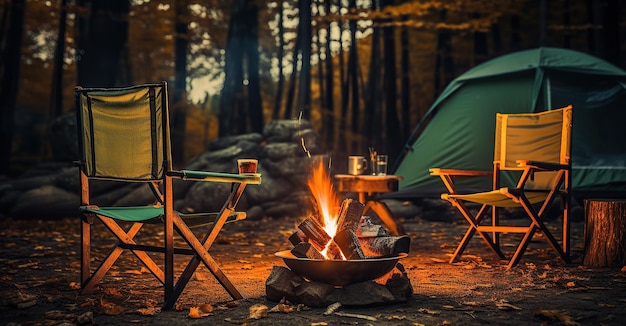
{"points": [[151, 311], [110, 308], [74, 285], [85, 319], [428, 311], [194, 313], [113, 292], [332, 308], [58, 315], [281, 307], [507, 306], [258, 311], [437, 260], [206, 308], [556, 315], [570, 284]]}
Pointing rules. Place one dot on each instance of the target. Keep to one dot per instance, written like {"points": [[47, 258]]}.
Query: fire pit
{"points": [[340, 272], [340, 255]]}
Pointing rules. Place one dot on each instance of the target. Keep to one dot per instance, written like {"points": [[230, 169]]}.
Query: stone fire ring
{"points": [[339, 272]]}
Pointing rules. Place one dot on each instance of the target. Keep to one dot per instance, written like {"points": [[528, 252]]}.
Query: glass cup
{"points": [[247, 165], [380, 166]]}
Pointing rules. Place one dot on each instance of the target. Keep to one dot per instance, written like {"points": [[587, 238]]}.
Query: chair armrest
{"points": [[251, 178], [542, 166], [459, 173]]}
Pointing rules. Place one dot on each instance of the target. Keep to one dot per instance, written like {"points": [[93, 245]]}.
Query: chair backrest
{"points": [[543, 136], [124, 132]]}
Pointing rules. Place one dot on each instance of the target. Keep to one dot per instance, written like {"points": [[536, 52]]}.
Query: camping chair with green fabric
{"points": [[533, 148], [124, 136]]}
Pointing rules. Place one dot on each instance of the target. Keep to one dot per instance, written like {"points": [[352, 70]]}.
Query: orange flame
{"points": [[325, 198]]}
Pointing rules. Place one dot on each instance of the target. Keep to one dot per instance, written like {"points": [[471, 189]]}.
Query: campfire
{"points": [[337, 247]]}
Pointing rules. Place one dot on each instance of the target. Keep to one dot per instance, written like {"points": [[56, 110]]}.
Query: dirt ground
{"points": [[39, 271]]}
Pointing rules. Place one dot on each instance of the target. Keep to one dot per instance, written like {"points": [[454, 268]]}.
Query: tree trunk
{"points": [[391, 141], [291, 91], [353, 77], [101, 40], [56, 94], [373, 104], [233, 70], [179, 100], [605, 233], [443, 64], [612, 40], [405, 99], [10, 81], [255, 103], [304, 85], [279, 56], [329, 116]]}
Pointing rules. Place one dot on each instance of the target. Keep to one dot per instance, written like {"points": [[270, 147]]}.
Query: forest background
{"points": [[362, 71]]}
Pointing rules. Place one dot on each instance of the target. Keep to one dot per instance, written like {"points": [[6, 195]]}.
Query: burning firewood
{"points": [[385, 246], [349, 244], [318, 237], [297, 237], [349, 215], [306, 250]]}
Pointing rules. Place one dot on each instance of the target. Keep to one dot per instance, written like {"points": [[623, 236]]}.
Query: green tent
{"points": [[458, 129]]}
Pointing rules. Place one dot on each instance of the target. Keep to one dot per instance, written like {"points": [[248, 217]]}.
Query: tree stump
{"points": [[605, 233]]}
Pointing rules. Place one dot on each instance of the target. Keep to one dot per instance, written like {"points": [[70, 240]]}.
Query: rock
{"points": [[281, 284], [278, 151], [65, 144], [283, 130], [47, 202], [224, 142], [360, 294]]}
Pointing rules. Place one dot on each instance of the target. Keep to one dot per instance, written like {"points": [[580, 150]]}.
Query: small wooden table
{"points": [[367, 186]]}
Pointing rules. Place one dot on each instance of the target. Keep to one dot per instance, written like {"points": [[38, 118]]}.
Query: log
{"points": [[605, 233], [306, 250], [385, 246], [349, 244], [369, 229], [315, 233], [349, 215], [298, 237], [319, 238]]}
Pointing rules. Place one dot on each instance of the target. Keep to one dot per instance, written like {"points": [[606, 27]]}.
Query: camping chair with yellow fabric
{"points": [[124, 136], [535, 148]]}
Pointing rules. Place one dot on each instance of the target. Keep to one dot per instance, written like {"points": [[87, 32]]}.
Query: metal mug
{"points": [[356, 165]]}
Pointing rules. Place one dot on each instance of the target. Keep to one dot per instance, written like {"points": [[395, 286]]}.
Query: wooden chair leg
{"points": [[473, 228]]}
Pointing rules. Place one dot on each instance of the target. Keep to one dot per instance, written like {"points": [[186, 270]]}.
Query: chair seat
{"points": [[500, 197], [154, 214]]}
